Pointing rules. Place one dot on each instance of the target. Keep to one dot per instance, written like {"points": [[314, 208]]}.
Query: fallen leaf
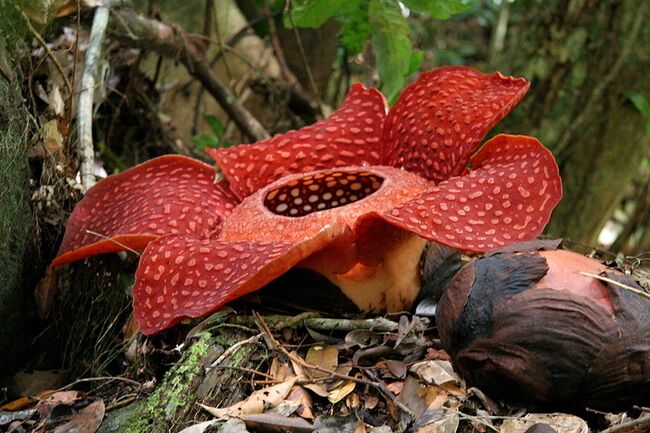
{"points": [[362, 338], [361, 427], [397, 368], [435, 372], [371, 402], [434, 397], [326, 357], [17, 404], [561, 422], [445, 424], [341, 392], [352, 400], [286, 408], [87, 420], [395, 387], [56, 104], [52, 138], [274, 422], [300, 395], [198, 428], [257, 402]]}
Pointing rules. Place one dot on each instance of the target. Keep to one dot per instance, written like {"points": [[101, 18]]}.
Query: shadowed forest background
{"points": [[179, 76]]}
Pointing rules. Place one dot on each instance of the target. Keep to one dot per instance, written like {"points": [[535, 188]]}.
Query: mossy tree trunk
{"points": [[17, 226], [582, 56]]}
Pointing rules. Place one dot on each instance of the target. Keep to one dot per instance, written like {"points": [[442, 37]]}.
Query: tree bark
{"points": [[18, 253], [581, 55]]}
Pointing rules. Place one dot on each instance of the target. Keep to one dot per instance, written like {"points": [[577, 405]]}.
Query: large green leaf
{"points": [[439, 9], [311, 13], [390, 39], [355, 28]]}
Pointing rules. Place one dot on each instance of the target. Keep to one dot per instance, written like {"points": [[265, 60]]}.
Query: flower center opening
{"points": [[321, 191]]}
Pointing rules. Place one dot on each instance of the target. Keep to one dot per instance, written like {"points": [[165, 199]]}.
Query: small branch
{"points": [[233, 349], [171, 41], [616, 283], [49, 52], [638, 424], [303, 56], [86, 97]]}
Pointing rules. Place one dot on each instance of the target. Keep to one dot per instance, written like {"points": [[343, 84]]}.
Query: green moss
{"points": [[16, 221], [174, 394]]}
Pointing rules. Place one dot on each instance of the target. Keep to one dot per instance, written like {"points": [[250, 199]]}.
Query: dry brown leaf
{"points": [[561, 422], [341, 392], [434, 397], [395, 387], [56, 104], [352, 400], [300, 395], [370, 402], [397, 368], [87, 420], [446, 424], [17, 404], [257, 402], [326, 357], [52, 138], [435, 372], [317, 389], [361, 427]]}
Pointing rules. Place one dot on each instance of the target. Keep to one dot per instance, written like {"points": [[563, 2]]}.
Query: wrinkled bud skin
{"points": [[527, 327]]}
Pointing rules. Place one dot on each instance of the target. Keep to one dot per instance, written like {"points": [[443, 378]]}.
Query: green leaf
{"points": [[203, 140], [647, 128], [439, 9], [311, 13], [640, 102], [415, 62], [392, 45], [355, 28], [215, 124]]}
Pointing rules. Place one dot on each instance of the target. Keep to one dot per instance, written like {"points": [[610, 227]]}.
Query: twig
{"points": [[298, 360], [86, 96], [106, 378], [312, 82], [49, 52], [171, 41], [106, 238], [563, 144], [616, 283], [234, 348], [634, 424]]}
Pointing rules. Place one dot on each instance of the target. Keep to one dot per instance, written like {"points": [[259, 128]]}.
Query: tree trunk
{"points": [[581, 57], [17, 226]]}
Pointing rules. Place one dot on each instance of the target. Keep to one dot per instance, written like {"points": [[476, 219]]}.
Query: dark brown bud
{"points": [[530, 328]]}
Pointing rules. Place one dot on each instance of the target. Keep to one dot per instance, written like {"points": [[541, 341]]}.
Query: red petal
{"points": [[351, 136], [166, 195], [507, 198], [439, 120], [180, 277]]}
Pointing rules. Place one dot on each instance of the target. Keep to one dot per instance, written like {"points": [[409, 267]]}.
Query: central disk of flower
{"points": [[321, 191]]}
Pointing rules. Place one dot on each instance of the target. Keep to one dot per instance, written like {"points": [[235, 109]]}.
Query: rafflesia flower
{"points": [[353, 197], [541, 327]]}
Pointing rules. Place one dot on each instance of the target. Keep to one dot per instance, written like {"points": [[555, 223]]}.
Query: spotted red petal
{"points": [[349, 137], [166, 195], [439, 120], [507, 198], [180, 276]]}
